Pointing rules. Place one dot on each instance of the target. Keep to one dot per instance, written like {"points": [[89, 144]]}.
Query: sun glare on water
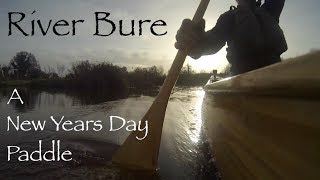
{"points": [[195, 137]]}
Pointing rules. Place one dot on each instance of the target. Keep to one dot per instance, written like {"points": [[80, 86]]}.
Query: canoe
{"points": [[265, 124]]}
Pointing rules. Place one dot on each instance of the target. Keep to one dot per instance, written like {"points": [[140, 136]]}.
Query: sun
{"points": [[208, 63]]}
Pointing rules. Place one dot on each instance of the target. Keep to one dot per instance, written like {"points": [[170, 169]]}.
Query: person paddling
{"points": [[251, 31]]}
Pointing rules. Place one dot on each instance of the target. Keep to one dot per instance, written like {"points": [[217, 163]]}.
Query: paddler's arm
{"points": [[216, 38], [274, 7], [204, 43]]}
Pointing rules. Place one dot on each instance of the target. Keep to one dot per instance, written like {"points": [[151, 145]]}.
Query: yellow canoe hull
{"points": [[265, 124]]}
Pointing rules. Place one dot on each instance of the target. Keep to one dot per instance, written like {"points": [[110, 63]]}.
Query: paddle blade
{"points": [[137, 154]]}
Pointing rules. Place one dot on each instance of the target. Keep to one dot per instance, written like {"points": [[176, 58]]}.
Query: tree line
{"points": [[90, 75]]}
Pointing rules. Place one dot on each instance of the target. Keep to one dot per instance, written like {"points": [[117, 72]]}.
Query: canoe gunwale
{"points": [[295, 78]]}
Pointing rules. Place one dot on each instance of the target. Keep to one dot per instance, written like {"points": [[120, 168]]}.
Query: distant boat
{"points": [[265, 124]]}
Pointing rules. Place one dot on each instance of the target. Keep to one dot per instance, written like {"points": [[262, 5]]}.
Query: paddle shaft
{"points": [[178, 62]]}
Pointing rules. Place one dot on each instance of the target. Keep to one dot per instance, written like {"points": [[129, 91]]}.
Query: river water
{"points": [[184, 152]]}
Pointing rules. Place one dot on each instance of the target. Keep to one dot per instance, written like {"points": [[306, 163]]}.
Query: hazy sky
{"points": [[299, 21]]}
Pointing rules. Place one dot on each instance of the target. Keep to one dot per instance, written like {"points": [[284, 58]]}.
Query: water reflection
{"points": [[29, 98], [195, 137], [184, 153], [34, 98]]}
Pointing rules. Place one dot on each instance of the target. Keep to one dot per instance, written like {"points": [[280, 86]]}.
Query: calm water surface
{"points": [[184, 152]]}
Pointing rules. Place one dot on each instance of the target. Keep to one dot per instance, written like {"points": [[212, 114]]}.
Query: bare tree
{"points": [[187, 69], [61, 68]]}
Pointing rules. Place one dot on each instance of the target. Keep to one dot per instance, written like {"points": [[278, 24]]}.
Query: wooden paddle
{"points": [[143, 155]]}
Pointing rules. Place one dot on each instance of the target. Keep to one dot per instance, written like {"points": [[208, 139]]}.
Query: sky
{"points": [[299, 21]]}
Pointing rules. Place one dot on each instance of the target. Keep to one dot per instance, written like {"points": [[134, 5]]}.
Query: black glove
{"points": [[190, 35]]}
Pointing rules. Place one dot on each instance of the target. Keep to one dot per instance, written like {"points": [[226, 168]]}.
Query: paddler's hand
{"points": [[190, 35]]}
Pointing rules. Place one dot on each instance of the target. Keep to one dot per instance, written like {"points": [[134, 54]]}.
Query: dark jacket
{"points": [[245, 57]]}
